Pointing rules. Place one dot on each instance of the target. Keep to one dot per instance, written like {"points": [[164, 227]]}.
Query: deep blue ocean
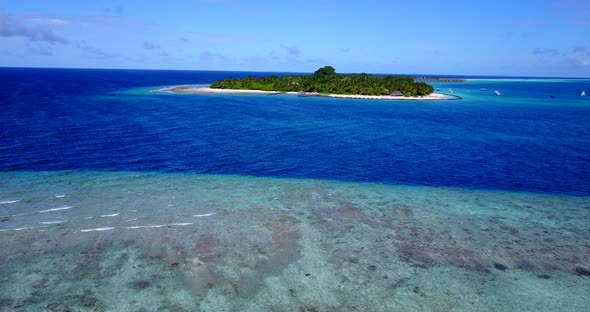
{"points": [[108, 120]]}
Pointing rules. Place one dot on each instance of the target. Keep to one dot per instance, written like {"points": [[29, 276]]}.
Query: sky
{"points": [[548, 38]]}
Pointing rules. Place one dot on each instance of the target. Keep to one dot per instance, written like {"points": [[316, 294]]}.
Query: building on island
{"points": [[397, 93]]}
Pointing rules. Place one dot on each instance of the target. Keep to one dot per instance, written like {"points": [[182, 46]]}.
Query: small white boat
{"points": [[497, 92], [583, 93]]}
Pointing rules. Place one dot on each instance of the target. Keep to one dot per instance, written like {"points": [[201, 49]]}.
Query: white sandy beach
{"points": [[208, 90]]}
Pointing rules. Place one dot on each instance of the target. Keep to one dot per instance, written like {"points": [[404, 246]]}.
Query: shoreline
{"points": [[205, 89]]}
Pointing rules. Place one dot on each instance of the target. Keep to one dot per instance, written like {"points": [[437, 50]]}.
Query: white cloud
{"points": [[15, 27], [293, 50], [545, 51], [151, 46], [95, 51], [47, 21]]}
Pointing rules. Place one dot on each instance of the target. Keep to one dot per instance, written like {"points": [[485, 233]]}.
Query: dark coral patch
{"points": [[207, 246], [500, 266], [88, 301], [349, 213], [6, 302], [143, 284], [407, 211], [581, 271]]}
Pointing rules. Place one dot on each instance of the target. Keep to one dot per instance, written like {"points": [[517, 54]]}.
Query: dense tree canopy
{"points": [[325, 80]]}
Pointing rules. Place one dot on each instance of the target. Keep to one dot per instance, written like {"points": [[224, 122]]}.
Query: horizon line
{"points": [[295, 72]]}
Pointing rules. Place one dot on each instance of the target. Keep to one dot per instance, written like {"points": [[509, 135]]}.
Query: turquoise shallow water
{"points": [[95, 241]]}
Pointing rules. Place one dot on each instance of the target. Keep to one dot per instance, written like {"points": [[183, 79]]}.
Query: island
{"points": [[325, 82]]}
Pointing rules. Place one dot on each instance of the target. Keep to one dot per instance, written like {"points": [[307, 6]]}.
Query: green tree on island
{"points": [[326, 81], [325, 73]]}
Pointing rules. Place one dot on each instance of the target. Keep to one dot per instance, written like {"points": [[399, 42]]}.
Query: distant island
{"points": [[438, 79], [326, 81]]}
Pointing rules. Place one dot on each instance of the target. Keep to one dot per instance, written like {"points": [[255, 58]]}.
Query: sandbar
{"points": [[199, 89]]}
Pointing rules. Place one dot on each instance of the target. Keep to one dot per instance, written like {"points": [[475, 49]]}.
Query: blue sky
{"points": [[517, 37]]}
